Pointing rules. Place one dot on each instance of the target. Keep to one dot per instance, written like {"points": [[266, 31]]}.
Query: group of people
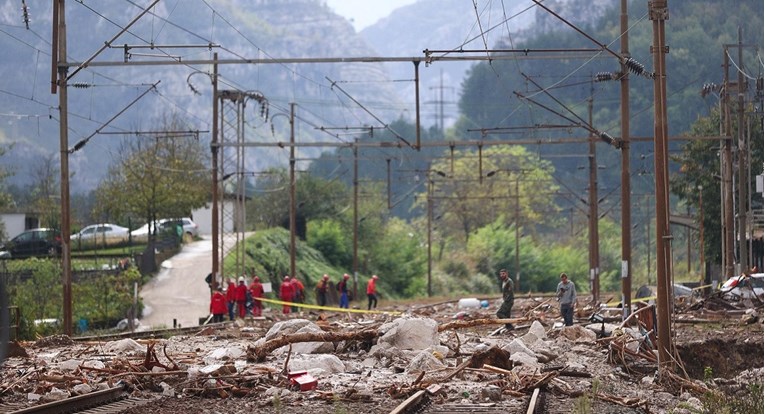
{"points": [[238, 299], [342, 288], [565, 294]]}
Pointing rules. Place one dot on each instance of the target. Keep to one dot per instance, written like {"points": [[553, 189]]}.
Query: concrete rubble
{"points": [[405, 354]]}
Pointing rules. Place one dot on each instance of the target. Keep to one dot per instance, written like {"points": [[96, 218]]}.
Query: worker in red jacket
{"points": [[286, 294], [256, 291], [218, 306], [298, 294], [241, 297], [231, 299], [372, 292]]}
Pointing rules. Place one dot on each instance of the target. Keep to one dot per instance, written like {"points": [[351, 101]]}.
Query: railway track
{"points": [[112, 400], [154, 333], [539, 402]]}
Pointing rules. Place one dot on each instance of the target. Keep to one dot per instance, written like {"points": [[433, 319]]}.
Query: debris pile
{"points": [[374, 360]]}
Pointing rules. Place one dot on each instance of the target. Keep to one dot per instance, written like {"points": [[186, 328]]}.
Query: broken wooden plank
{"points": [[258, 354], [408, 403], [477, 322]]}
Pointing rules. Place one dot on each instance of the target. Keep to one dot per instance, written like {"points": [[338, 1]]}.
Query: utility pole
{"points": [[215, 184], [430, 235], [355, 215], [293, 205], [658, 13], [743, 187], [702, 264], [593, 211], [440, 102], [517, 234], [726, 167], [626, 213], [59, 55]]}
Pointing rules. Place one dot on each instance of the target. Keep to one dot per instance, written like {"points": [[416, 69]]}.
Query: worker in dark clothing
{"points": [[321, 290], [508, 297], [342, 287]]}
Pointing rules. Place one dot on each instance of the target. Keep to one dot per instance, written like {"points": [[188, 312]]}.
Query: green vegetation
{"points": [[749, 401], [155, 177], [102, 299]]}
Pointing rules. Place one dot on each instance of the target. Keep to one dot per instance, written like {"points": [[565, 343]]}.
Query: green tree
{"points": [[470, 191], [315, 198], [156, 177], [699, 176], [399, 259], [330, 238], [35, 297], [45, 190]]}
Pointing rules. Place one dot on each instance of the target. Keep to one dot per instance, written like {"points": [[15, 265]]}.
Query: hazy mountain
{"points": [[328, 95], [456, 25], [236, 29]]}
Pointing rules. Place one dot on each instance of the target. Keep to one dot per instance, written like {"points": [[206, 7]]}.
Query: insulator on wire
{"points": [[25, 11], [608, 139], [80, 85], [637, 68], [709, 88], [605, 76]]}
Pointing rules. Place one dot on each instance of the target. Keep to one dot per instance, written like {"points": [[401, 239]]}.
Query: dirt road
{"points": [[179, 291]]}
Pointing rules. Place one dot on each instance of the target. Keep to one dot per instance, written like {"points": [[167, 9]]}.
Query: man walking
{"points": [[286, 293], [567, 297], [342, 287], [256, 291], [231, 299], [372, 292], [218, 305], [241, 297], [508, 297], [298, 292], [321, 290]]}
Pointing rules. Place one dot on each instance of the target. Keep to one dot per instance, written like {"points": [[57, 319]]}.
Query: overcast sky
{"points": [[365, 12]]}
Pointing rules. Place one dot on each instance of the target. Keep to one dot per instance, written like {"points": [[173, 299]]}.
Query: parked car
{"points": [[103, 234], [163, 225], [32, 243], [743, 287]]}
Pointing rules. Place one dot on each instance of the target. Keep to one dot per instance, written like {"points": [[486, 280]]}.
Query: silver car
{"points": [[189, 227], [103, 234]]}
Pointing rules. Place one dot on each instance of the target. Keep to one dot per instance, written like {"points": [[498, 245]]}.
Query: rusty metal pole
{"points": [[355, 215], [417, 103], [517, 235], [626, 213], [293, 205], [741, 152], [593, 211], [702, 265], [66, 264], [726, 168], [658, 13], [430, 236], [215, 184]]}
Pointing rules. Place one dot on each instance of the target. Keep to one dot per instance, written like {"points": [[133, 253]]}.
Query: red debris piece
{"points": [[303, 380]]}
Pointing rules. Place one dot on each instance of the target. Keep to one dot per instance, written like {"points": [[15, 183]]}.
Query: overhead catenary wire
{"points": [[738, 69], [396, 134]]}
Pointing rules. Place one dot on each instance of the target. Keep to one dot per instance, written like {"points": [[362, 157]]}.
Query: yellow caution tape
{"points": [[609, 304], [703, 287], [326, 308]]}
